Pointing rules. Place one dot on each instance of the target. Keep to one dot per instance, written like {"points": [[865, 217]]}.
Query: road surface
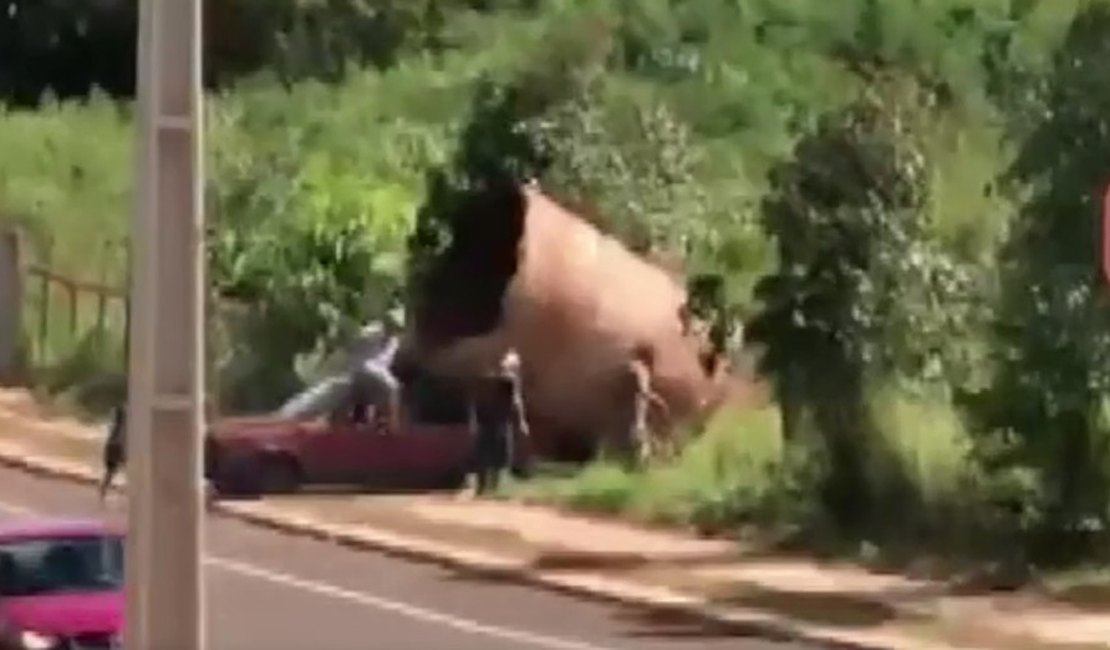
{"points": [[268, 591]]}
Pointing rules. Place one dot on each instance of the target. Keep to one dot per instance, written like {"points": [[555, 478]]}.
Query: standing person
{"points": [[636, 398], [115, 452], [519, 434], [498, 420], [372, 379]]}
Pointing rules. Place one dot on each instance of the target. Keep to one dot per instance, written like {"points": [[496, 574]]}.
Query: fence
{"points": [[46, 315], [32, 287]]}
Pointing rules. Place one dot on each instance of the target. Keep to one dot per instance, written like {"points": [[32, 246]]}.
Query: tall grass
{"points": [[65, 180], [725, 474], [740, 472], [929, 442]]}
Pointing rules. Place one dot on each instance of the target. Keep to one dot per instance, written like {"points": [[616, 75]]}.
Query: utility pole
{"points": [[165, 586]]}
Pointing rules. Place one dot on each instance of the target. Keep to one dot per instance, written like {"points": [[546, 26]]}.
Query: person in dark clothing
{"points": [[114, 449], [499, 423]]}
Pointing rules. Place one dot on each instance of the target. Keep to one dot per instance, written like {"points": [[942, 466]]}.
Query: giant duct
{"points": [[524, 271]]}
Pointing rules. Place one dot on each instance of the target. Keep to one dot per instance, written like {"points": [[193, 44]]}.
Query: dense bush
{"points": [[309, 220], [861, 293], [1054, 312]]}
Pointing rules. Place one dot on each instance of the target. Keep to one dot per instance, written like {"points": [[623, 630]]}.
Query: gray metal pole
{"points": [[165, 586]]}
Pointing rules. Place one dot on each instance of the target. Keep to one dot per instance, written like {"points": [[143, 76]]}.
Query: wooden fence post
{"points": [[72, 311], [44, 306], [102, 298], [11, 307]]}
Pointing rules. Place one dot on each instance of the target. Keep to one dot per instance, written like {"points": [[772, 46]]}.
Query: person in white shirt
{"points": [[371, 369]]}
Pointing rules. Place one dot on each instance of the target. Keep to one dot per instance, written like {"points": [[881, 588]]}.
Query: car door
{"points": [[437, 437], [380, 457], [338, 451], [433, 451]]}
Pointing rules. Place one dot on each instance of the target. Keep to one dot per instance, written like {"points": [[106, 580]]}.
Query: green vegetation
{"points": [[900, 197], [726, 475]]}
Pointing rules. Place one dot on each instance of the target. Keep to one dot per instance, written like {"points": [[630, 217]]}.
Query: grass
{"points": [[1086, 587], [730, 465], [70, 197], [738, 474], [927, 441]]}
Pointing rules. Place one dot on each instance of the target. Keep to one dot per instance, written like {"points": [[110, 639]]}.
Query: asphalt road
{"points": [[269, 591]]}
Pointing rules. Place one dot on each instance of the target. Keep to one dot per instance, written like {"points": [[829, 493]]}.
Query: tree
{"points": [[625, 162], [1055, 316], [69, 47], [66, 47], [860, 293], [308, 228]]}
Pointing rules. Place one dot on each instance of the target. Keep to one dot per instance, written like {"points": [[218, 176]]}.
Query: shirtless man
{"points": [[637, 397]]}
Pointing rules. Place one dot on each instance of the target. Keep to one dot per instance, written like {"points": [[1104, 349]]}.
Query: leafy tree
{"points": [[308, 229], [69, 47], [66, 47], [1055, 316], [448, 246], [614, 155], [860, 291]]}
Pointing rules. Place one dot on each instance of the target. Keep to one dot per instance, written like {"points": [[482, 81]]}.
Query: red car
{"points": [[273, 454], [282, 452], [61, 585]]}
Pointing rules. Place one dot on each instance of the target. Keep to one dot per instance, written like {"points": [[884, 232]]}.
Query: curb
{"points": [[623, 592]]}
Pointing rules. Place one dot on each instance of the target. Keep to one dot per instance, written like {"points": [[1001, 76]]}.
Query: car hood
{"points": [[65, 614]]}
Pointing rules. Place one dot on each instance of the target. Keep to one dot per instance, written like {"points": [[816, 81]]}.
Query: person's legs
{"points": [[500, 458], [113, 458], [475, 468], [388, 395], [483, 480], [487, 473], [382, 390], [488, 460], [641, 434], [493, 481], [105, 485], [620, 442]]}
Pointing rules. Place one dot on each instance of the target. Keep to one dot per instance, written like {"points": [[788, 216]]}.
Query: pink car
{"points": [[61, 585]]}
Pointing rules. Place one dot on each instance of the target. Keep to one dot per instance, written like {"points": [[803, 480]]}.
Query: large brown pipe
{"points": [[574, 303]]}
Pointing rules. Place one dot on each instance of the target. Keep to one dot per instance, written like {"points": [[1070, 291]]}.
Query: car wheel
{"points": [[279, 475], [236, 477]]}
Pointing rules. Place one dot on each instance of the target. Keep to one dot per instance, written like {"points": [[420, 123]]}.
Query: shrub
{"points": [[1055, 335], [723, 478]]}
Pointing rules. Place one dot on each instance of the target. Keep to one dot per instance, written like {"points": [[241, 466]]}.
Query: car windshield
{"points": [[38, 567]]}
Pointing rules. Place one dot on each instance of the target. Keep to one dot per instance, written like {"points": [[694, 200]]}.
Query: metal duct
{"points": [[577, 301]]}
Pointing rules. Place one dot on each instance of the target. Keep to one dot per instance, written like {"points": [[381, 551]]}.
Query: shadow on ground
{"points": [[847, 610], [660, 623], [646, 623], [391, 489], [575, 560]]}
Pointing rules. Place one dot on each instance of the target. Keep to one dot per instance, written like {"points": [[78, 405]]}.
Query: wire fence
{"points": [[61, 329], [51, 319], [68, 310]]}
